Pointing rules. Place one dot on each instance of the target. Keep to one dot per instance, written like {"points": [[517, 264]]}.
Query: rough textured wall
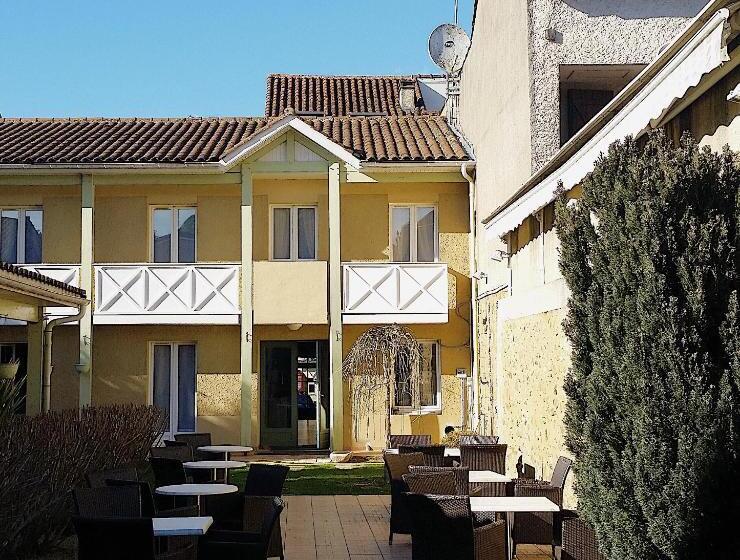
{"points": [[534, 360], [590, 32], [487, 345]]}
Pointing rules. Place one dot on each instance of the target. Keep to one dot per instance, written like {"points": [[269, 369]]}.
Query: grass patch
{"points": [[327, 480]]}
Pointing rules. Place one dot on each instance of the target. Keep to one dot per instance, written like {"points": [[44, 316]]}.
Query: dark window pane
{"points": [[281, 233], [162, 225], [186, 228], [161, 392], [425, 239], [401, 234], [186, 388], [33, 232], [9, 236], [279, 382], [306, 233]]}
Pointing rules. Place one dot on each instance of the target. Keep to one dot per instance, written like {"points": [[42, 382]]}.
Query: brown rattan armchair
{"points": [[579, 541], [396, 466], [434, 455], [431, 483], [478, 440], [444, 528], [461, 474], [402, 439], [486, 457], [97, 479]]}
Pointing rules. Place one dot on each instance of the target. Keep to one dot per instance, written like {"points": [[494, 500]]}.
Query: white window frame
{"points": [[171, 431], [294, 231], [434, 409], [173, 235], [21, 238], [413, 227]]}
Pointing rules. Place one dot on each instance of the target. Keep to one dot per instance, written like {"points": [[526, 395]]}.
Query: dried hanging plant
{"points": [[383, 361]]}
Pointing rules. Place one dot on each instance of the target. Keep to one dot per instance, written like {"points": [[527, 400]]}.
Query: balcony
{"points": [[394, 293], [167, 294], [290, 292], [67, 273]]}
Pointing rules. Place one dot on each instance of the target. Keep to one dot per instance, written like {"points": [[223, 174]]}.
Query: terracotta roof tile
{"points": [[206, 140], [340, 96], [24, 273]]}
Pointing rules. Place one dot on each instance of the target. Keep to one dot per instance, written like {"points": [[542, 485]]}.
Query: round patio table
{"points": [[214, 465], [196, 490], [225, 449]]}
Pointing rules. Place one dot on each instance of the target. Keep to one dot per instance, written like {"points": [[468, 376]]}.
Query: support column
{"points": [[34, 363], [86, 283], [246, 308], [335, 312]]}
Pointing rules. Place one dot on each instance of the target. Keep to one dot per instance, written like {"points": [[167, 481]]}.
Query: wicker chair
{"points": [[173, 443], [560, 472], [444, 528], [478, 440], [536, 528], [579, 541], [461, 474], [107, 502], [486, 458], [434, 455], [246, 511], [97, 479], [149, 507], [399, 440], [431, 483], [123, 539], [181, 453], [196, 440], [243, 545], [396, 466]]}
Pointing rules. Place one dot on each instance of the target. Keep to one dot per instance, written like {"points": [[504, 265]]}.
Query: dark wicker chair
{"points": [[396, 466], [243, 545], [431, 483], [149, 507], [245, 511], [123, 539], [461, 474], [444, 528], [560, 472], [168, 471], [181, 453], [536, 528], [97, 479], [434, 455], [478, 440], [398, 440], [524, 470], [486, 458], [579, 541], [196, 440], [108, 502], [173, 443]]}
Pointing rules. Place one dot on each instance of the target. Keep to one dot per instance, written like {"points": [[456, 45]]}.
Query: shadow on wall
{"points": [[638, 9]]}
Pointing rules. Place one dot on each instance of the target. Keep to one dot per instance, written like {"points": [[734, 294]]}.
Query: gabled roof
{"points": [[23, 274], [341, 96], [198, 141]]}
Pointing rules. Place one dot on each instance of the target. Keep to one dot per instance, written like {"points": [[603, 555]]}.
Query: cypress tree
{"points": [[653, 414]]}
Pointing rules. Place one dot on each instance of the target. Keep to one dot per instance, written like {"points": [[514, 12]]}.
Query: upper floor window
{"points": [[429, 394], [293, 233], [21, 235], [414, 233], [174, 231]]}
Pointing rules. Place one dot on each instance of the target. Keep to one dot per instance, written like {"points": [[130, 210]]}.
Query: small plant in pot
{"points": [[9, 369]]}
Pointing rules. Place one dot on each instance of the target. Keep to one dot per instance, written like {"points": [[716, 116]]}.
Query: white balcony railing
{"points": [[394, 293], [67, 273], [167, 294]]}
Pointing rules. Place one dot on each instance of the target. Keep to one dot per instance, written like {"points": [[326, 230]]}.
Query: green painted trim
{"points": [[87, 211], [247, 316], [34, 365], [335, 310]]}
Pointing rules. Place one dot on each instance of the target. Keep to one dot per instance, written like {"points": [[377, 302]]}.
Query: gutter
{"points": [[46, 380], [616, 105]]}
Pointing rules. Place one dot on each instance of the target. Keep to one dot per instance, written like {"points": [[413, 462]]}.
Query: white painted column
{"points": [[246, 308], [86, 283], [34, 363], [336, 423]]}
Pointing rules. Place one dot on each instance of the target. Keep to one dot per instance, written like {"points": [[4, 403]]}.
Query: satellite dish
{"points": [[448, 47]]}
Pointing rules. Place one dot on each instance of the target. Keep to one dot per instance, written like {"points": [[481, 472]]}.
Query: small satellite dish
{"points": [[448, 47]]}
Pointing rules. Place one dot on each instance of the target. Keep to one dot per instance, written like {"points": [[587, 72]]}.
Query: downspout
{"points": [[46, 382], [473, 259]]}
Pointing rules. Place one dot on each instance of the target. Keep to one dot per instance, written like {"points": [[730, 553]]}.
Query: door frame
{"points": [[173, 412]]}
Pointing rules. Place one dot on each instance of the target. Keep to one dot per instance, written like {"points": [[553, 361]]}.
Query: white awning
{"points": [[704, 52]]}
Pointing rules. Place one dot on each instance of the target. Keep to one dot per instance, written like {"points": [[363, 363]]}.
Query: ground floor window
{"points": [[429, 383], [173, 383]]}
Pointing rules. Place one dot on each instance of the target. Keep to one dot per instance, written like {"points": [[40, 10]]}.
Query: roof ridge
{"points": [[136, 119]]}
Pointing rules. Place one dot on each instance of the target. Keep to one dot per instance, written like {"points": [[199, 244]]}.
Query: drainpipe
{"points": [[473, 259], [46, 382]]}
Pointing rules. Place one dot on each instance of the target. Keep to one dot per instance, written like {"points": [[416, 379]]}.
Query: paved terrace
{"points": [[351, 528]]}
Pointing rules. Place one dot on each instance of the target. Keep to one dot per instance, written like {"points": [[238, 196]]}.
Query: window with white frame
{"points": [[293, 233], [21, 235], [174, 230], [174, 383], [414, 233], [430, 382]]}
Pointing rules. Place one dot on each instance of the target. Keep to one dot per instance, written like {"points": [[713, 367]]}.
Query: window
{"points": [[429, 386], [174, 231], [173, 383], [21, 235], [414, 233], [293, 233]]}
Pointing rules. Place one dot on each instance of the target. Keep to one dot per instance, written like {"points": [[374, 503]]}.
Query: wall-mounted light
{"points": [[734, 95], [294, 326]]}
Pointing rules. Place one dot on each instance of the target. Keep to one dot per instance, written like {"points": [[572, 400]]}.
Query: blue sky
{"points": [[176, 58]]}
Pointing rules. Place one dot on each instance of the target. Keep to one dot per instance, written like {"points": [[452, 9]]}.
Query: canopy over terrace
{"points": [[23, 296]]}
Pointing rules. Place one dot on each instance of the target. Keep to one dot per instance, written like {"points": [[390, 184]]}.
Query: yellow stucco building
{"points": [[232, 262]]}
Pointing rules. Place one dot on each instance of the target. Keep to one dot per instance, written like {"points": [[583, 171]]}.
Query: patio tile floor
{"points": [[351, 528]]}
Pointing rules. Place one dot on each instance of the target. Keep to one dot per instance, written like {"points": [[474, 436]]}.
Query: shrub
{"points": [[43, 457], [653, 417]]}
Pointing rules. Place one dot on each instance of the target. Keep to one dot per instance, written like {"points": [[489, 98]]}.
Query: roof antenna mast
{"points": [[455, 12]]}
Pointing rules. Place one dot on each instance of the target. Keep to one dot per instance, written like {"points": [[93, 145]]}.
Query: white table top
{"points": [[225, 449], [449, 451], [181, 526], [196, 489], [480, 477], [214, 464], [512, 504]]}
